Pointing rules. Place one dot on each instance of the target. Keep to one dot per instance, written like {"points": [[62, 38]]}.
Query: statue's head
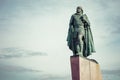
{"points": [[79, 9]]}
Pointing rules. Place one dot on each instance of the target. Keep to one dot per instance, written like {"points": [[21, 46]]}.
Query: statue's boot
{"points": [[80, 50]]}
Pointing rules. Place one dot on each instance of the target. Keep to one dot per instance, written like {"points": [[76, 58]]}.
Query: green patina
{"points": [[80, 39]]}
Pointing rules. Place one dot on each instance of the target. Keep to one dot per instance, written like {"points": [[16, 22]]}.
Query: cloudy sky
{"points": [[33, 35]]}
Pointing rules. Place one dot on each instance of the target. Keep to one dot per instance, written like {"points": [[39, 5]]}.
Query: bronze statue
{"points": [[80, 39]]}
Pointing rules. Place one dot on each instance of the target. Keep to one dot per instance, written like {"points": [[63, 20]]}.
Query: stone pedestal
{"points": [[84, 69]]}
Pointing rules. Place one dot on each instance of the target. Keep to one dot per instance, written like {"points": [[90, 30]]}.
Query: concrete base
{"points": [[84, 69]]}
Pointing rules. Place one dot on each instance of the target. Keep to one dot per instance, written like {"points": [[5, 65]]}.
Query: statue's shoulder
{"points": [[73, 15], [84, 16]]}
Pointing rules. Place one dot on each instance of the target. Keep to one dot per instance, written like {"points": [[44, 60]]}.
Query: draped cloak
{"points": [[88, 46]]}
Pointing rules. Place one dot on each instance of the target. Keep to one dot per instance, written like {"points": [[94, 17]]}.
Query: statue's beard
{"points": [[79, 12]]}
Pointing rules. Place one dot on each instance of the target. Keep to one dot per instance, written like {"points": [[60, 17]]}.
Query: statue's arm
{"points": [[71, 24], [86, 20]]}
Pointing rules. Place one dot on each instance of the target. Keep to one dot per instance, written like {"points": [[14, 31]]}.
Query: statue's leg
{"points": [[80, 45]]}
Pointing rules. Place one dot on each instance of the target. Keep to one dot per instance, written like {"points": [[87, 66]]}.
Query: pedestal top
{"points": [[93, 60]]}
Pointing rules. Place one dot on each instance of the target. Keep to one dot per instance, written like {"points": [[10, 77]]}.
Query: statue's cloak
{"points": [[88, 39]]}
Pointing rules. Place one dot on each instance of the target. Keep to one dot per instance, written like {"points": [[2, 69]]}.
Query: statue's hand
{"points": [[72, 29]]}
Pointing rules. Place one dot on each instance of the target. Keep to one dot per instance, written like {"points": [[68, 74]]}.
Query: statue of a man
{"points": [[79, 38]]}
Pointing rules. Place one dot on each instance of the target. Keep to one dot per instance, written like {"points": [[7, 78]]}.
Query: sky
{"points": [[33, 35]]}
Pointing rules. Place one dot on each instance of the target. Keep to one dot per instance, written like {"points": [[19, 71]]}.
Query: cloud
{"points": [[111, 74], [18, 52], [13, 71], [117, 72], [53, 77], [13, 68]]}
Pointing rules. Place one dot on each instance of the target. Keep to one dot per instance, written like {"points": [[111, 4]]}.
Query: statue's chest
{"points": [[77, 19]]}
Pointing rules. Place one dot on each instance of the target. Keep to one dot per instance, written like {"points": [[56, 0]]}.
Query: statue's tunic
{"points": [[77, 24]]}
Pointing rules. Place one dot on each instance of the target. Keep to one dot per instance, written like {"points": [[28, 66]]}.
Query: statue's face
{"points": [[79, 10]]}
